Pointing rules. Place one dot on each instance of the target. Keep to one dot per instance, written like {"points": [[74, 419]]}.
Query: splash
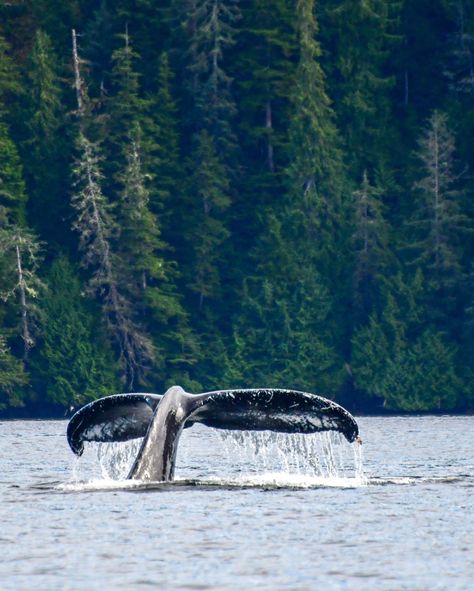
{"points": [[245, 459], [110, 462], [318, 459]]}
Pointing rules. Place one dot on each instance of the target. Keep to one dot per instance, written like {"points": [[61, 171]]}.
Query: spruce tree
{"points": [[163, 157], [439, 220], [212, 32], [422, 377], [19, 261], [282, 333], [263, 78], [369, 243], [8, 75], [12, 185], [401, 359], [73, 366], [12, 377], [359, 35], [209, 190], [125, 106], [44, 148], [96, 227]]}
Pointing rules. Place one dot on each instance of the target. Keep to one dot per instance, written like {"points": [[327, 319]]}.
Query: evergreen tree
{"points": [[315, 171], [98, 48], [439, 220], [73, 366], [209, 190], [361, 33], [125, 106], [12, 185], [422, 377], [370, 243], [12, 377], [19, 261], [316, 166], [263, 77], [44, 148], [211, 26], [399, 358], [140, 233], [8, 76], [96, 227], [282, 334], [163, 158]]}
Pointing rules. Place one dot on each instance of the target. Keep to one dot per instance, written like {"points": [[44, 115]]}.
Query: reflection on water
{"points": [[248, 510]]}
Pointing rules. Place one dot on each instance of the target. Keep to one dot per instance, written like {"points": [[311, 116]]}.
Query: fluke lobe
{"points": [[160, 419]]}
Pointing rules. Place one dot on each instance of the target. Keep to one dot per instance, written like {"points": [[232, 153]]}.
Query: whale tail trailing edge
{"points": [[114, 418], [128, 416]]}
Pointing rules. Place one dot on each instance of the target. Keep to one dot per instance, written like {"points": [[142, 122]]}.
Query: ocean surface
{"points": [[247, 511]]}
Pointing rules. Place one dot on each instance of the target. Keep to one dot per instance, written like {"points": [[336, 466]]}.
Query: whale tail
{"points": [[160, 420]]}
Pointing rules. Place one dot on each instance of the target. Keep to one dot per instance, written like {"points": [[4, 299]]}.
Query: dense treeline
{"points": [[237, 193]]}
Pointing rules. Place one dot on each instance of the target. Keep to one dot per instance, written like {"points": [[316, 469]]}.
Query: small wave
{"points": [[410, 480], [267, 481], [275, 480]]}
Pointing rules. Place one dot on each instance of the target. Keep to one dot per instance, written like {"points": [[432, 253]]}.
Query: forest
{"points": [[225, 193]]}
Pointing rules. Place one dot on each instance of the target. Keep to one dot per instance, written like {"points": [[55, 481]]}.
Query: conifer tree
{"points": [[400, 358], [369, 242], [8, 75], [209, 110], [98, 48], [315, 168], [360, 34], [12, 185], [12, 377], [209, 189], [125, 106], [140, 233], [282, 334], [422, 377], [439, 220], [20, 258], [72, 366], [315, 171], [163, 158], [44, 147], [263, 79], [96, 227], [18, 246]]}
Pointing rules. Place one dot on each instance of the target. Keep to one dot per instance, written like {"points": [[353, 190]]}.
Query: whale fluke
{"points": [[160, 420], [114, 418]]}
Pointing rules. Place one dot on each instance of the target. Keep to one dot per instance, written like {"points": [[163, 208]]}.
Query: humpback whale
{"points": [[160, 419]]}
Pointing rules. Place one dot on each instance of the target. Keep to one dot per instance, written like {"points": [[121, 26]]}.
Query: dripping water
{"points": [[321, 456], [245, 457]]}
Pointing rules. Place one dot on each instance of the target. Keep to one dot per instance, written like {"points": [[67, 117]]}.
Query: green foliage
{"points": [[396, 358], [256, 193], [12, 377], [370, 240], [362, 34], [8, 75], [12, 184], [283, 333], [73, 365], [208, 189], [439, 221], [422, 377], [44, 146]]}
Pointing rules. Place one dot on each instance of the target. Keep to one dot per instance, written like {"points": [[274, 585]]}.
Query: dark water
{"points": [[296, 515]]}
